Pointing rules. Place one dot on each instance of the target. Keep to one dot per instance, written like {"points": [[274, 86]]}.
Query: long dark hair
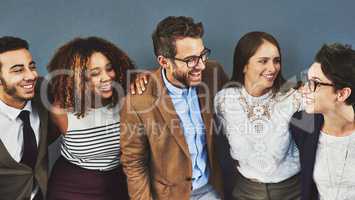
{"points": [[245, 49]]}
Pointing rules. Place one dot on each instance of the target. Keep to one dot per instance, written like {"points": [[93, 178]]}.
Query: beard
{"points": [[12, 91], [8, 90], [182, 78]]}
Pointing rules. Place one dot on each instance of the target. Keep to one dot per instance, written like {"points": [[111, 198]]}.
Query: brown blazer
{"points": [[155, 155]]}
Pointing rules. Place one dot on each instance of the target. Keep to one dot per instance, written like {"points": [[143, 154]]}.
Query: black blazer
{"points": [[305, 130]]}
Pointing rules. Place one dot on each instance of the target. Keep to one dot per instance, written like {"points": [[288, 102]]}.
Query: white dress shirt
{"points": [[257, 131], [11, 133]]}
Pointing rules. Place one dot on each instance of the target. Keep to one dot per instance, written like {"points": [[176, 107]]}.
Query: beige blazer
{"points": [[155, 155]]}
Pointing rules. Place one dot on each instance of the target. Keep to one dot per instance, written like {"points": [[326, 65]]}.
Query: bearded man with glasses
{"points": [[167, 143]]}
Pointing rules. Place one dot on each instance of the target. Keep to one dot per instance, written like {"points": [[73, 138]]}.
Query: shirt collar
{"points": [[12, 112], [264, 97], [173, 90]]}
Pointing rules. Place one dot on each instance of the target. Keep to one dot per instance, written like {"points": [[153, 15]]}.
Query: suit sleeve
{"points": [[43, 99], [295, 133], [226, 162], [135, 153], [222, 76]]}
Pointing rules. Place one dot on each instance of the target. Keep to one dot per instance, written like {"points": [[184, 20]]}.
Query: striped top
{"points": [[93, 142]]}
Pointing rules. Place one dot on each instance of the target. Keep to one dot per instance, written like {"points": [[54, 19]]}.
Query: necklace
{"points": [[258, 113], [257, 109], [337, 184]]}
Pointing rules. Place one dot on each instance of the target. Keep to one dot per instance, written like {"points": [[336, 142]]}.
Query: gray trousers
{"points": [[204, 193], [246, 189]]}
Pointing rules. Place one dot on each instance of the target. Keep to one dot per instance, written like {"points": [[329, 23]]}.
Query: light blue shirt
{"points": [[186, 104]]}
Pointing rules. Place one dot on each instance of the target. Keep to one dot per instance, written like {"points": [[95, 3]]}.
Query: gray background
{"points": [[300, 26]]}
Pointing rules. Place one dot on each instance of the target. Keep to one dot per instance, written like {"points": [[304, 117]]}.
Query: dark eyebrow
{"points": [[277, 57], [315, 78], [17, 65], [21, 65], [95, 68], [98, 68]]}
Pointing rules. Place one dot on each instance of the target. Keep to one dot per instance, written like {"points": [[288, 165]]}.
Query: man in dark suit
{"points": [[168, 151], [23, 124]]}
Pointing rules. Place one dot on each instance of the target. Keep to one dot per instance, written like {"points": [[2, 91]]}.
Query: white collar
{"points": [[265, 97], [12, 112]]}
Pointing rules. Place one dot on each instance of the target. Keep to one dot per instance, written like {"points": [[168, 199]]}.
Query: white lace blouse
{"points": [[257, 131]]}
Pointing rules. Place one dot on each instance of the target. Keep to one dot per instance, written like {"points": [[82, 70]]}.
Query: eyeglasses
{"points": [[192, 61], [313, 84]]}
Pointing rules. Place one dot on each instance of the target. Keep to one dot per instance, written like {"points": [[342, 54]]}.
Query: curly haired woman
{"points": [[88, 78]]}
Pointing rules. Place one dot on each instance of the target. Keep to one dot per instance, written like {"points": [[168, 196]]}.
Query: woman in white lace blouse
{"points": [[254, 114]]}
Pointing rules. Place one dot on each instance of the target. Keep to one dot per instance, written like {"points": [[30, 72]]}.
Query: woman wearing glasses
{"points": [[254, 113], [326, 140], [89, 76]]}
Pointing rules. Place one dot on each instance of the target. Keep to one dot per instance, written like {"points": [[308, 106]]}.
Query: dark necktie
{"points": [[29, 156]]}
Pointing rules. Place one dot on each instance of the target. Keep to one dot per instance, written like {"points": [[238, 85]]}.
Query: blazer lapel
{"points": [[168, 112], [6, 159], [43, 128], [205, 108], [312, 143], [310, 146]]}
